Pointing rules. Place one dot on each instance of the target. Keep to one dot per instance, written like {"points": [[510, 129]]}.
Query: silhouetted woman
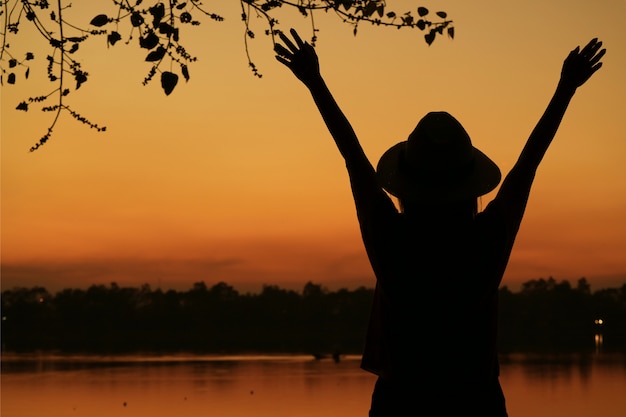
{"points": [[438, 262]]}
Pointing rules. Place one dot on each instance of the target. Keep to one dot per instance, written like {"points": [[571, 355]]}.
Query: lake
{"points": [[568, 385]]}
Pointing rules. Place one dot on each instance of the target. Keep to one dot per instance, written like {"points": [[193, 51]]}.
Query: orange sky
{"points": [[236, 179]]}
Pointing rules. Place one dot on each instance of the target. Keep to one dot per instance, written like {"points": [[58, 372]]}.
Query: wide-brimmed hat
{"points": [[437, 162]]}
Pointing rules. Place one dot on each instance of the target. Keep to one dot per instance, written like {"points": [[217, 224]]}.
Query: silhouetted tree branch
{"points": [[157, 26]]}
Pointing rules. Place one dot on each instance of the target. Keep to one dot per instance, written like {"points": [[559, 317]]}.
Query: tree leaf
{"points": [[136, 19], [156, 55], [56, 43], [370, 8], [168, 81], [12, 62], [421, 24], [185, 17], [451, 32], [27, 73], [22, 106], [185, 71], [113, 38], [99, 20], [149, 41], [430, 37], [166, 29], [422, 11], [29, 56], [381, 10], [442, 15], [11, 78], [80, 78], [158, 12]]}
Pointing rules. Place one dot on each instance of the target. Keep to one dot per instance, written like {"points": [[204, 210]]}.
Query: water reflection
{"points": [[598, 337], [281, 386]]}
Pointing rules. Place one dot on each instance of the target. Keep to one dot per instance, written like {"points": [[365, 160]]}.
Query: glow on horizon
{"points": [[236, 179]]}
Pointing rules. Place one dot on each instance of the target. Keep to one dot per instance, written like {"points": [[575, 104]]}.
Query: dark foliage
{"points": [[157, 27], [544, 315]]}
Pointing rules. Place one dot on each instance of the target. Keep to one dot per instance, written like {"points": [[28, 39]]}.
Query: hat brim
{"points": [[483, 177]]}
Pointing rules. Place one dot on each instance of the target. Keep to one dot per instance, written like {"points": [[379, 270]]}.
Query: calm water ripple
{"points": [[280, 385]]}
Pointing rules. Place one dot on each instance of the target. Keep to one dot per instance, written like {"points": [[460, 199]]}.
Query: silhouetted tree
{"points": [[158, 27], [223, 292], [545, 314], [583, 286], [548, 314], [312, 290], [26, 316]]}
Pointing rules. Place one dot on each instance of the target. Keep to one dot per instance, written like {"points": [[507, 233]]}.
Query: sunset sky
{"points": [[234, 178]]}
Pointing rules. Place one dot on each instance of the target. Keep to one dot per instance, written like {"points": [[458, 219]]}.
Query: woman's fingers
{"points": [[592, 44], [597, 57], [283, 60], [300, 44], [590, 55], [282, 51], [593, 54], [297, 38], [288, 42], [594, 50]]}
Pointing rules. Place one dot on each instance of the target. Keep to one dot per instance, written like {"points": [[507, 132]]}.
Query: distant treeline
{"points": [[543, 315]]}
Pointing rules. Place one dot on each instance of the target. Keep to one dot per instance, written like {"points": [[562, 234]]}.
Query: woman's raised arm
{"points": [[578, 67], [301, 59]]}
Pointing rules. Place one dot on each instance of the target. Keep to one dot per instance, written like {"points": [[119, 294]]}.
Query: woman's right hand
{"points": [[300, 58]]}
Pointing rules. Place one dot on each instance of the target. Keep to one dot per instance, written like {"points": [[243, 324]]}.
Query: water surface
{"points": [[280, 386]]}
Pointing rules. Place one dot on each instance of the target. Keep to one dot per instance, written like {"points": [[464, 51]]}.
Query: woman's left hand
{"points": [[580, 65]]}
